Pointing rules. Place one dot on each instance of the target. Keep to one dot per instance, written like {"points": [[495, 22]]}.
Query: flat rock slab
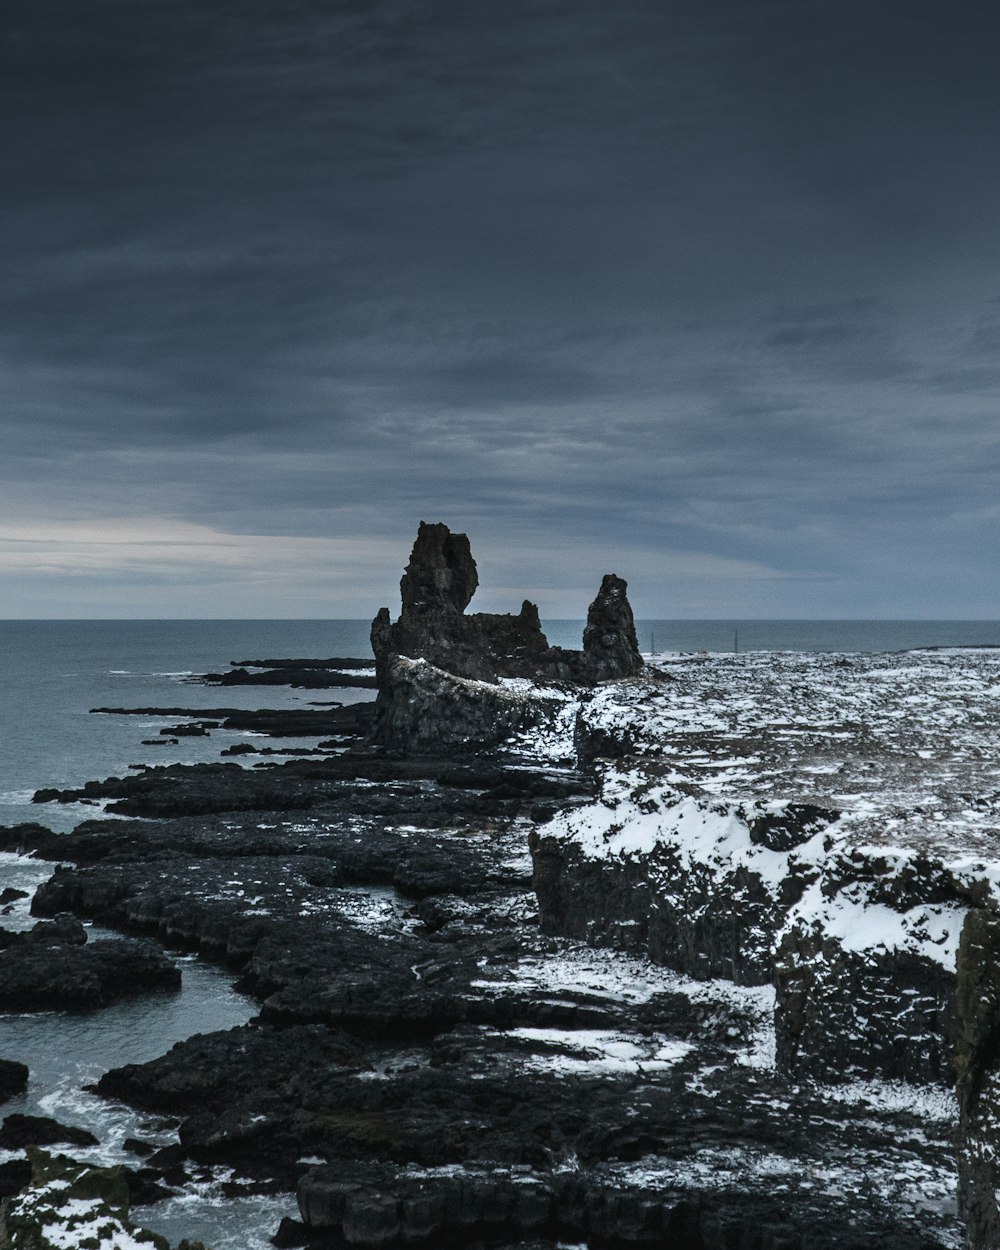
{"points": [[19, 1131], [34, 977]]}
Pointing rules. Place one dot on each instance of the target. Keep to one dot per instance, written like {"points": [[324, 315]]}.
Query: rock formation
{"points": [[610, 647], [435, 589], [978, 1066]]}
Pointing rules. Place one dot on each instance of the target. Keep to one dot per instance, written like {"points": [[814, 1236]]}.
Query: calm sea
{"points": [[53, 672]]}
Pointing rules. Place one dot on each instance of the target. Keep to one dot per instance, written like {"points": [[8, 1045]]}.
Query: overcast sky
{"points": [[703, 292]]}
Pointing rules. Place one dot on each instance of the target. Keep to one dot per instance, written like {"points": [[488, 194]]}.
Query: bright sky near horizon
{"points": [[703, 293]]}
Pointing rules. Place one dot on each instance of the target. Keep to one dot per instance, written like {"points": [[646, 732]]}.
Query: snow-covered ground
{"points": [[905, 745], [897, 752]]}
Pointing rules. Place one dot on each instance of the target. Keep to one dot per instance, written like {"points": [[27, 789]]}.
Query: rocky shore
{"points": [[558, 948]]}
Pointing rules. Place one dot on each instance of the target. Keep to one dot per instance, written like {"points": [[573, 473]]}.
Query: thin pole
{"points": [[736, 642], [652, 644]]}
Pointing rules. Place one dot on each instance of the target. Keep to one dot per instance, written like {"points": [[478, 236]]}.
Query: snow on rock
{"points": [[820, 822], [70, 1205]]}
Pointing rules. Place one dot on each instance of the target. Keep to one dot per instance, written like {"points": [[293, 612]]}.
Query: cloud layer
{"points": [[708, 291]]}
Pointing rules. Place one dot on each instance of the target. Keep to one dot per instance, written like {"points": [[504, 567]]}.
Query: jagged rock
{"points": [[610, 647], [441, 574], [435, 590], [437, 586]]}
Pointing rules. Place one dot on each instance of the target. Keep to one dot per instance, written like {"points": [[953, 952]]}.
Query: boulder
{"points": [[13, 1079]]}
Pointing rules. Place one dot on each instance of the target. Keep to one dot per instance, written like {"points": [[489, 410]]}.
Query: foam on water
{"points": [[68, 1051]]}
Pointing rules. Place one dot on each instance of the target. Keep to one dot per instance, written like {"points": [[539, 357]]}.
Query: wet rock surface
{"points": [[13, 1079], [32, 1130]]}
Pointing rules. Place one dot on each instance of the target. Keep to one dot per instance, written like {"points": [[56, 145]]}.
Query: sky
{"points": [[702, 292]]}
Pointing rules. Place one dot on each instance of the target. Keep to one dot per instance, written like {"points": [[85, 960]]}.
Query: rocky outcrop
{"points": [[766, 820], [436, 588], [49, 968], [13, 1079], [73, 1204], [694, 885], [978, 1064], [610, 647], [424, 710]]}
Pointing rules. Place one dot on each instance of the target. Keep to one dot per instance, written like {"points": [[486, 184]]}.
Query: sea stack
{"points": [[483, 648]]}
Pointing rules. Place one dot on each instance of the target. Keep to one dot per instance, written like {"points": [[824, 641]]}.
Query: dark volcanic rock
{"points": [[324, 780], [210, 1070], [37, 977], [21, 839], [19, 1131], [407, 1054], [14, 1176], [610, 647], [309, 675], [385, 1209], [978, 1066], [13, 1079], [62, 930], [347, 663], [351, 721], [436, 587], [424, 710], [825, 989], [466, 1079]]}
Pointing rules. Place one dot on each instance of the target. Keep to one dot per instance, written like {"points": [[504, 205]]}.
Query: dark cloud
{"points": [[686, 285]]}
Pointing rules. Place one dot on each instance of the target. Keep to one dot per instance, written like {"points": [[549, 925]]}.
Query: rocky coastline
{"points": [[554, 947]]}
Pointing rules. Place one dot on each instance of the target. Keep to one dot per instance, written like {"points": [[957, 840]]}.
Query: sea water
{"points": [[53, 672]]}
